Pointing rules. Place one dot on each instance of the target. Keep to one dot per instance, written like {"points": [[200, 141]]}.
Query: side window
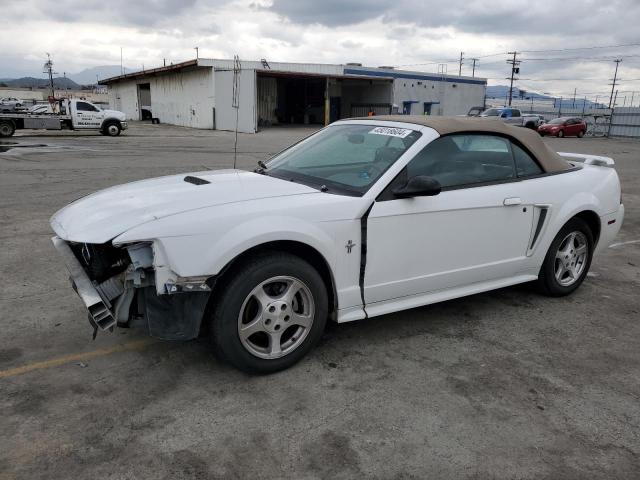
{"points": [[515, 113], [525, 165], [457, 160], [85, 107]]}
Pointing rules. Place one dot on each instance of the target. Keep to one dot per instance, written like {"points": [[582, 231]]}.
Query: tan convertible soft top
{"points": [[548, 159]]}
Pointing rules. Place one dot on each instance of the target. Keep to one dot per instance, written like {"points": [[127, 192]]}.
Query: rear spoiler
{"points": [[589, 159]]}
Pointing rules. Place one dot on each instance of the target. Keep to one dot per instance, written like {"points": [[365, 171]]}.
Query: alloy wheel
{"points": [[276, 317], [571, 258]]}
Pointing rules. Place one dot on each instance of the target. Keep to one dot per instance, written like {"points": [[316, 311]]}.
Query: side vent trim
{"points": [[541, 218]]}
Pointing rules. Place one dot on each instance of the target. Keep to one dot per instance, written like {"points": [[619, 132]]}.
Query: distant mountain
{"points": [[32, 82], [501, 92], [88, 75]]}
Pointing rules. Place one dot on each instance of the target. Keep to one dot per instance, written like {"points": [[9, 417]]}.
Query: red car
{"points": [[564, 126]]}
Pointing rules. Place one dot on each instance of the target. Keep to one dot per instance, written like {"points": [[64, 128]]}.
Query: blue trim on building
{"points": [[412, 76]]}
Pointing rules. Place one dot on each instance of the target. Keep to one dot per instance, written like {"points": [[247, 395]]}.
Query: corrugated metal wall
{"points": [[625, 122], [267, 100]]}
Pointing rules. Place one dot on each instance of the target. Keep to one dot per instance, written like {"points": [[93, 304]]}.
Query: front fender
{"points": [[199, 255]]}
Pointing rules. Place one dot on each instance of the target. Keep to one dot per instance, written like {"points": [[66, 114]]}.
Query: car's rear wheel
{"points": [[7, 128], [568, 259], [581, 134], [271, 312], [560, 133]]}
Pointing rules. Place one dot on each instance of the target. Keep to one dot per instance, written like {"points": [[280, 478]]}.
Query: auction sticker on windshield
{"points": [[391, 131]]}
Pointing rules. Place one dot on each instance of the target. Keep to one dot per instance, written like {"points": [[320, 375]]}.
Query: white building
{"points": [[199, 93]]}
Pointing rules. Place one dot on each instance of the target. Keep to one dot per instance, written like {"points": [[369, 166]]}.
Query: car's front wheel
{"points": [[271, 312], [568, 259]]}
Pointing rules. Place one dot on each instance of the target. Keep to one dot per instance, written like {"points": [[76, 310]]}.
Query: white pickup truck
{"points": [[71, 114], [512, 116]]}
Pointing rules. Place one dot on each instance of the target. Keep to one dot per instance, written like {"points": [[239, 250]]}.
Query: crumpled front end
{"points": [[118, 288]]}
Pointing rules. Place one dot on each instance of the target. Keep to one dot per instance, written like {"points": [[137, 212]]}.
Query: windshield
{"points": [[492, 112], [343, 158], [557, 121]]}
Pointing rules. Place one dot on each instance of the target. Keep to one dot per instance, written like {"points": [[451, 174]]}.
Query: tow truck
{"points": [[68, 114]]}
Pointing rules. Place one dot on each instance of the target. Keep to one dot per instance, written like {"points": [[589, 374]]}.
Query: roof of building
{"points": [[301, 69], [531, 140], [176, 67]]}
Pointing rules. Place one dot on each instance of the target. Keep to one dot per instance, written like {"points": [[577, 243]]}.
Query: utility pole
{"points": [[460, 66], [574, 98], [515, 69], [48, 68], [615, 77], [197, 54], [473, 71], [596, 102], [615, 99], [632, 94], [121, 68]]}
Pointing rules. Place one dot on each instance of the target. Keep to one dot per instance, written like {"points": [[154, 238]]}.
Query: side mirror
{"points": [[419, 186]]}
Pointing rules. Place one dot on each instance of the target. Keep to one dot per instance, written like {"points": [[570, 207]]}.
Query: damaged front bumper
{"points": [[100, 313], [128, 293]]}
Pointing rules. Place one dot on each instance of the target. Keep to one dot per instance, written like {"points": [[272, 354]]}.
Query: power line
{"points": [[581, 48]]}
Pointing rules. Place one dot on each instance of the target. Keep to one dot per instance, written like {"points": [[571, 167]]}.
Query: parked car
{"points": [[540, 119], [512, 116], [145, 112], [475, 111], [563, 127], [40, 108], [9, 104], [365, 217]]}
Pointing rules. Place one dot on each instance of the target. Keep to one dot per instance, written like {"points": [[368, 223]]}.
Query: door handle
{"points": [[512, 201]]}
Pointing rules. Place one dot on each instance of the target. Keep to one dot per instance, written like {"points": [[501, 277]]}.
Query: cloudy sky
{"points": [[417, 33]]}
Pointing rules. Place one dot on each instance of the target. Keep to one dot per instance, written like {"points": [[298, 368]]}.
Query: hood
{"points": [[115, 114], [101, 216]]}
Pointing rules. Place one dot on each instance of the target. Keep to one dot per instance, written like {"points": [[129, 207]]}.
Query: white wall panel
{"points": [[225, 112]]}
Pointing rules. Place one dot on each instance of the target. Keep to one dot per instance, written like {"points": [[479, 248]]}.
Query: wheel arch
{"points": [[300, 249], [592, 219], [108, 121]]}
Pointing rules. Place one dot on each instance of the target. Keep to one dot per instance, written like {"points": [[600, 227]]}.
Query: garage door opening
{"points": [[144, 101], [288, 99]]}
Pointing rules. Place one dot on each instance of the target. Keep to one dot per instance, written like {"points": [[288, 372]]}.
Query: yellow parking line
{"points": [[54, 362]]}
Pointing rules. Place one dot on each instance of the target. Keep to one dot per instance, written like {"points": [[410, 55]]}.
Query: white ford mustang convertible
{"points": [[363, 218]]}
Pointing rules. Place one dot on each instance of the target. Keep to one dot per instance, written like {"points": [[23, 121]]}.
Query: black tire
{"points": [[547, 280], [238, 286], [531, 125], [112, 129], [581, 134], [7, 128], [560, 133]]}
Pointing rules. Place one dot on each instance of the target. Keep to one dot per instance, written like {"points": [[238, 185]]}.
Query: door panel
{"points": [[459, 237]]}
